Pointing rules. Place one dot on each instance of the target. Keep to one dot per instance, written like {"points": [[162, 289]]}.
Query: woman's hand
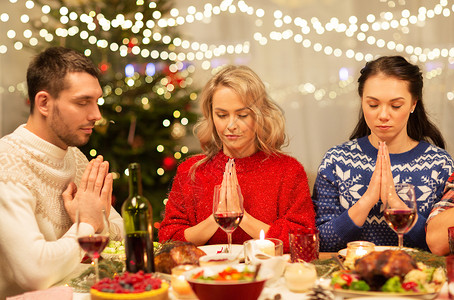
{"points": [[360, 210], [388, 191], [230, 189], [200, 234]]}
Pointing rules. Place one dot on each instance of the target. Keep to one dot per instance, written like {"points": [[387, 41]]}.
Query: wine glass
{"points": [[400, 210], [93, 244], [228, 210]]}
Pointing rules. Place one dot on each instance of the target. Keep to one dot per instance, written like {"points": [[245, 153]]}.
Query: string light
{"points": [[301, 31], [387, 21]]}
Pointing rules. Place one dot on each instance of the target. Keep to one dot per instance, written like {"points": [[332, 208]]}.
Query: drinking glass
{"points": [[400, 210], [304, 244], [94, 244], [450, 275], [228, 210], [451, 240]]}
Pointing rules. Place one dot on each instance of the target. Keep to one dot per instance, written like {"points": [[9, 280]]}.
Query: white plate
{"points": [[343, 252], [215, 249], [351, 294]]}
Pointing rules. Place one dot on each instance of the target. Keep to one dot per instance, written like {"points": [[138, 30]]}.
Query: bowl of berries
{"points": [[140, 285]]}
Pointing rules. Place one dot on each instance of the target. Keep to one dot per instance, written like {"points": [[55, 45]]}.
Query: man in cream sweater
{"points": [[45, 179]]}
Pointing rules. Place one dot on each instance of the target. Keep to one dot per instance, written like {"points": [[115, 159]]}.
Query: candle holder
{"points": [[180, 287], [262, 249], [269, 254], [300, 276], [357, 250]]}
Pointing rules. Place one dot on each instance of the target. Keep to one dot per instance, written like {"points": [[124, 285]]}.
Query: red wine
{"points": [[400, 220], [93, 245], [139, 252], [228, 221]]}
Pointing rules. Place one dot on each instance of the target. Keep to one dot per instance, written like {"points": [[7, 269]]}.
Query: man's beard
{"points": [[63, 132]]}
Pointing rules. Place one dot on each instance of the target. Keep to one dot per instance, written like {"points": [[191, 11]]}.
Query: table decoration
{"points": [[107, 268], [304, 244], [180, 287], [264, 248], [357, 250], [268, 253], [300, 277]]}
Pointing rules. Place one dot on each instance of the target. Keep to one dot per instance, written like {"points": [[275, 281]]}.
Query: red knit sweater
{"points": [[275, 190]]}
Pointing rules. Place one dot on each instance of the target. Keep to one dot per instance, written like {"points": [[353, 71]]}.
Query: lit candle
{"points": [[300, 277], [178, 282], [357, 250], [264, 245], [360, 252]]}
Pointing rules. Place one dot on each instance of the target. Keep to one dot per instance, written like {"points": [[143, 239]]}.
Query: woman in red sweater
{"points": [[239, 121]]}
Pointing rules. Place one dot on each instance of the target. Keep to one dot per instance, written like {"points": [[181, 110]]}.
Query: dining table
{"points": [[276, 290]]}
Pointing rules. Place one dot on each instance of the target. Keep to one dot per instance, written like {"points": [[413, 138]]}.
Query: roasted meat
{"points": [[377, 267], [176, 253]]}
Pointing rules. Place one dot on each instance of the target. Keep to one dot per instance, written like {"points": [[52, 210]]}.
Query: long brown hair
{"points": [[419, 127]]}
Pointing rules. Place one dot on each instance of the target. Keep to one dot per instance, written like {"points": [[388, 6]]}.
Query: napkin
{"points": [[57, 292]]}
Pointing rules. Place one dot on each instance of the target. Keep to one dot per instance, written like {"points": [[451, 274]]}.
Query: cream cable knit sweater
{"points": [[37, 238]]}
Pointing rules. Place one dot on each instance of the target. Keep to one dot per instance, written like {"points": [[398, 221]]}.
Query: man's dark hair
{"points": [[48, 70]]}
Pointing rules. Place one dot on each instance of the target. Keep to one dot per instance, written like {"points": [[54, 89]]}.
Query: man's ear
{"points": [[43, 102]]}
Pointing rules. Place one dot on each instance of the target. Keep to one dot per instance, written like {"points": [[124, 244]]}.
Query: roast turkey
{"points": [[377, 267], [175, 253]]}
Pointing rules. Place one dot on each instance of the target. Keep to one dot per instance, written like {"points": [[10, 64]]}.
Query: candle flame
{"points": [[262, 234], [361, 251]]}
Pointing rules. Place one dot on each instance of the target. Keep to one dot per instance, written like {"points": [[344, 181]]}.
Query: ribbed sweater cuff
{"points": [[345, 228]]}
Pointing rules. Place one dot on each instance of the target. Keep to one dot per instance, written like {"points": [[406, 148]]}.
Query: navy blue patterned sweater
{"points": [[343, 177]]}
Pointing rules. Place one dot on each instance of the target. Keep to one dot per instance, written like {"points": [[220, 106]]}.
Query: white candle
{"points": [[264, 245], [360, 252], [299, 277]]}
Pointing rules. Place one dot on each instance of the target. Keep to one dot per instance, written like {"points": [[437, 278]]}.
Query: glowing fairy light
{"points": [[129, 70]]}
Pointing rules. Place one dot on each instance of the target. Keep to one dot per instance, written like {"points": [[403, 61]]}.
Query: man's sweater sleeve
{"points": [[34, 262]]}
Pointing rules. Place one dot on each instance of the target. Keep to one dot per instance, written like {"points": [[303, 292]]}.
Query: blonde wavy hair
{"points": [[270, 134]]}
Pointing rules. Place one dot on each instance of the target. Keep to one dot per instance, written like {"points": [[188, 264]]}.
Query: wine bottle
{"points": [[138, 221]]}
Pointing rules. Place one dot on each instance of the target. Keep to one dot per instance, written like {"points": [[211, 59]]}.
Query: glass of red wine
{"points": [[93, 244], [401, 210], [228, 210]]}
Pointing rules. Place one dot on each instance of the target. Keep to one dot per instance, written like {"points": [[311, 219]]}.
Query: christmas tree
{"points": [[147, 100]]}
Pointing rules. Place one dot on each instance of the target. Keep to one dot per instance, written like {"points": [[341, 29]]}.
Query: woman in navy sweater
{"points": [[394, 141]]}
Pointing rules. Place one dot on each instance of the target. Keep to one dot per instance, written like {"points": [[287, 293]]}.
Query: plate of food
{"points": [[389, 274], [115, 250], [343, 252]]}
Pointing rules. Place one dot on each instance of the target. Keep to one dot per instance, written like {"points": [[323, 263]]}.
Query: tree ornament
{"points": [[169, 163]]}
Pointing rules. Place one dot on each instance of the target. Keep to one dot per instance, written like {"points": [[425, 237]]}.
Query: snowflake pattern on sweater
{"points": [[343, 177]]}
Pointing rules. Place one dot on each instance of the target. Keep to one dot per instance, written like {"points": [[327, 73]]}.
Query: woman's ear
{"points": [[42, 103], [413, 106]]}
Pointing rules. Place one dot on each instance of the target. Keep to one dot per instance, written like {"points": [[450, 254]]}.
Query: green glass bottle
{"points": [[138, 220]]}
